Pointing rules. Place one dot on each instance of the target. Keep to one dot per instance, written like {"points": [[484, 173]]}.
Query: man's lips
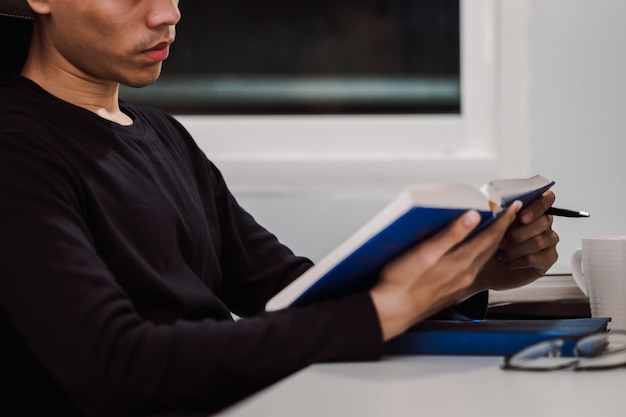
{"points": [[159, 52]]}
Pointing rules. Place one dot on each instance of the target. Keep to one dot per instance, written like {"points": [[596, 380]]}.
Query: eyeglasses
{"points": [[596, 351]]}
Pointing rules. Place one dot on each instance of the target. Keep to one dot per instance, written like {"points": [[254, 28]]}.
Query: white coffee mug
{"points": [[599, 269]]}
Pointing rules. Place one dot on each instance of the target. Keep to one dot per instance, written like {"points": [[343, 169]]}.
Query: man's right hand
{"points": [[437, 273]]}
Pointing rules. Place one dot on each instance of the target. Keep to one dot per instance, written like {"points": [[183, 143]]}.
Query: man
{"points": [[122, 252]]}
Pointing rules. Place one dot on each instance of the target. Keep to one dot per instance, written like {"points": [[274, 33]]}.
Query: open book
{"points": [[417, 213]]}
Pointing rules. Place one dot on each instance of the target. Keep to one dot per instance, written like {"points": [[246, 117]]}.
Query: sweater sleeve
{"points": [[255, 265], [81, 325]]}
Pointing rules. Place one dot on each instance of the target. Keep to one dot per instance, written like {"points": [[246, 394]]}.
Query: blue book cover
{"points": [[489, 337], [416, 214]]}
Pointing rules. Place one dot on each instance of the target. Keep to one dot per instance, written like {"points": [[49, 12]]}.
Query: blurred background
{"points": [[319, 112]]}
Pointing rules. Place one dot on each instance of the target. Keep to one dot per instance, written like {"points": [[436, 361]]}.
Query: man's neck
{"points": [[99, 97]]}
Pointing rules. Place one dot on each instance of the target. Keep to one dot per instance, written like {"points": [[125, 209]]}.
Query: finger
{"points": [[497, 230], [484, 245], [537, 208], [432, 249], [541, 242], [538, 261], [523, 233]]}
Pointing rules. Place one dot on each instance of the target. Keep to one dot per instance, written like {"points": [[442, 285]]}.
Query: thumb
{"points": [[452, 235], [501, 225]]}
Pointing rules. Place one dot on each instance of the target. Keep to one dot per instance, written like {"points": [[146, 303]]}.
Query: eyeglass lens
{"points": [[545, 355], [598, 351], [603, 350]]}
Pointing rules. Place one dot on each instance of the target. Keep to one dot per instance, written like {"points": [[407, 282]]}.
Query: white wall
{"points": [[578, 112], [571, 114], [312, 223]]}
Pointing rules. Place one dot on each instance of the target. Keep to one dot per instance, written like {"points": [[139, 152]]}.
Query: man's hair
{"points": [[15, 35]]}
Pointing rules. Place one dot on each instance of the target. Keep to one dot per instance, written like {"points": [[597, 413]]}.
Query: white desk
{"points": [[450, 386]]}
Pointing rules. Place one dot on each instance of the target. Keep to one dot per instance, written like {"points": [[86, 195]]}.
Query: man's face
{"points": [[122, 41]]}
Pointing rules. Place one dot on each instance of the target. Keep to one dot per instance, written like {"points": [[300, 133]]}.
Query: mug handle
{"points": [[577, 271]]}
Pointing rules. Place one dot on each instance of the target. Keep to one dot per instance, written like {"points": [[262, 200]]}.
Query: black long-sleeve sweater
{"points": [[122, 255]]}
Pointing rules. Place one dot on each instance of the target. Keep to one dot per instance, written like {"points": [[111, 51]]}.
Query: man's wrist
{"points": [[396, 313]]}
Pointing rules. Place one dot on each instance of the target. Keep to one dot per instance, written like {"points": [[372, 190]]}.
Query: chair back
{"points": [[16, 25], [16, 8]]}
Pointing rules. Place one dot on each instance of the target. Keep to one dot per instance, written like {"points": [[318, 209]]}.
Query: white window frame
{"points": [[384, 152]]}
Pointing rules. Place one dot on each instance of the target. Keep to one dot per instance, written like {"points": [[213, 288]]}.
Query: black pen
{"points": [[566, 213]]}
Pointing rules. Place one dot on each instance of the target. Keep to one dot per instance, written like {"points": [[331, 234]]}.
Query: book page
{"points": [[504, 190], [448, 195]]}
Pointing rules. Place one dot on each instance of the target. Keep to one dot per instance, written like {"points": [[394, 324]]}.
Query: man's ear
{"points": [[39, 6]]}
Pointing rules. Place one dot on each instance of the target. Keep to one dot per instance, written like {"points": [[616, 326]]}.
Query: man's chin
{"points": [[140, 83], [142, 80]]}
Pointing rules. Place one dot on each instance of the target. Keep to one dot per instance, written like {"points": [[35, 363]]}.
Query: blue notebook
{"points": [[489, 337], [417, 213]]}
